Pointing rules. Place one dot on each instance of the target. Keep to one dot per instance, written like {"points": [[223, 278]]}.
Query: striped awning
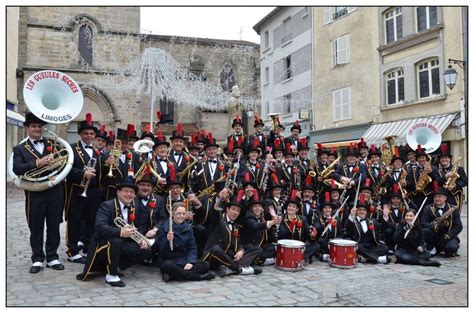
{"points": [[376, 133]]}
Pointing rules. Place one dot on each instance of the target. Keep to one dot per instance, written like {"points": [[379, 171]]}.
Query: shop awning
{"points": [[15, 118], [376, 133]]}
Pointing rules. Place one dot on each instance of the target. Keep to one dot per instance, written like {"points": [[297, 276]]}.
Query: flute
{"points": [[171, 220]]}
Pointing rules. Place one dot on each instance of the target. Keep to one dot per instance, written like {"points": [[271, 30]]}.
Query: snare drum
{"points": [[342, 253], [289, 255]]}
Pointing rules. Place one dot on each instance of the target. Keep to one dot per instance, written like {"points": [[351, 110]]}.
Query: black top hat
{"points": [[327, 201], [111, 137], [30, 118], [288, 150], [296, 125], [352, 150], [408, 149], [160, 140], [278, 144], [361, 144], [334, 187], [274, 182], [121, 134], [396, 156], [147, 133], [211, 142], [255, 199], [253, 146], [127, 183], [236, 200], [87, 124], [303, 143], [258, 121], [373, 151], [178, 133], [248, 181], [172, 178], [421, 152], [362, 202], [438, 189], [395, 192], [321, 150], [445, 151], [237, 121], [308, 184], [332, 152], [293, 199], [367, 185], [147, 177], [102, 133]]}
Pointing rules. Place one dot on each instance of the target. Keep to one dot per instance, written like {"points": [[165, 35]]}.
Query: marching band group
{"points": [[192, 210]]}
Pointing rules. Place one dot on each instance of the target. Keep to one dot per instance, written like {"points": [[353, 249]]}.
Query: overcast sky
{"points": [[205, 22]]}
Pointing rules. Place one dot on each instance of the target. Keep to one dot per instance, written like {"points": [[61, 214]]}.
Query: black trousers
{"points": [[433, 239], [387, 237], [177, 272], [268, 251], [311, 250], [81, 214], [40, 207], [324, 245], [200, 235], [219, 257], [110, 255], [372, 252], [411, 257]]}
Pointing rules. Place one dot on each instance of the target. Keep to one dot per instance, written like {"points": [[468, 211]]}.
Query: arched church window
{"points": [[85, 45], [227, 77]]}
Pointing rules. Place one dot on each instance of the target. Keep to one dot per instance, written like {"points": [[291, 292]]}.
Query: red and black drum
{"points": [[289, 255], [342, 253]]}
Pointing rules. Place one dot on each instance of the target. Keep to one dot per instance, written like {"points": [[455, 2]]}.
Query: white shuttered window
{"points": [[341, 100]]}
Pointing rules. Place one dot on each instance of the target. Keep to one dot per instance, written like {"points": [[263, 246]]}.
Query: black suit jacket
{"points": [[452, 226], [220, 234], [105, 227]]}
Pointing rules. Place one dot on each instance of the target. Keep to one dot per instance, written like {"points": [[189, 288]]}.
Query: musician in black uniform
{"points": [[294, 137], [180, 263], [412, 249], [363, 151], [160, 163], [257, 232], [223, 249], [296, 227], [112, 247], [445, 172], [238, 136], [288, 171], [441, 222], [40, 206], [411, 157], [397, 173], [304, 164], [132, 136], [81, 211], [414, 175], [377, 173], [366, 232], [252, 167], [147, 134], [274, 195], [177, 155], [309, 206], [263, 140], [100, 139], [349, 172], [326, 221]]}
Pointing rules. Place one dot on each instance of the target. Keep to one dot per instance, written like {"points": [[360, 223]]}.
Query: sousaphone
{"points": [[55, 98], [425, 134]]}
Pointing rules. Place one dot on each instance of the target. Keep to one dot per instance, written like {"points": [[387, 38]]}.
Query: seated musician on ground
{"points": [[366, 232], [296, 227], [412, 249], [325, 222], [441, 222], [112, 247], [181, 263], [223, 249]]}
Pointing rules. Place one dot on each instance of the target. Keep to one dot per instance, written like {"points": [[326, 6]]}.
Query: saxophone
{"points": [[451, 181], [424, 179], [327, 172], [378, 190], [443, 217]]}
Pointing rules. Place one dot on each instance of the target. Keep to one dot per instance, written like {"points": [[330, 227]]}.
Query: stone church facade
{"points": [[89, 42]]}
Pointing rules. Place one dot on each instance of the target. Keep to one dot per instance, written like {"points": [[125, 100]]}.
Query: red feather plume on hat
{"points": [[255, 143], [160, 135], [230, 147], [111, 135], [255, 195], [204, 134], [237, 118], [303, 141], [193, 139], [444, 148], [276, 142], [333, 149], [435, 186], [172, 172], [180, 129], [247, 177], [308, 180], [199, 135], [362, 140], [418, 148], [395, 188], [158, 115], [147, 170], [333, 183], [367, 182], [147, 128], [240, 195], [297, 123], [102, 129], [288, 147], [320, 146], [293, 195], [362, 199], [396, 152], [372, 148], [275, 178], [211, 140], [327, 197], [89, 119]]}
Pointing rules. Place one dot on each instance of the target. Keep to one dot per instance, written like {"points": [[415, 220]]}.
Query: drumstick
{"points": [[335, 215]]}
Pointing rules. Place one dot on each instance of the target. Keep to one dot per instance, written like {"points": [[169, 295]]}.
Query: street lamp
{"points": [[450, 75]]}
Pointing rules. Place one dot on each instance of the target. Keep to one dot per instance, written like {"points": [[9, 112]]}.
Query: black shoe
{"points": [[166, 277], [257, 271], [116, 283], [57, 267], [81, 260], [389, 259], [35, 269], [207, 276], [430, 262], [221, 271]]}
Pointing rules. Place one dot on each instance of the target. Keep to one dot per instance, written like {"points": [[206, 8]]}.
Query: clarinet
{"points": [[264, 181], [279, 213], [297, 177]]}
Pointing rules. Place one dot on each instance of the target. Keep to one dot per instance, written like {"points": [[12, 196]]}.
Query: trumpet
{"points": [[116, 152], [137, 236], [85, 182]]}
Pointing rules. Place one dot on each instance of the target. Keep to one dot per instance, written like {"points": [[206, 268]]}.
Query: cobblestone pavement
{"points": [[317, 285]]}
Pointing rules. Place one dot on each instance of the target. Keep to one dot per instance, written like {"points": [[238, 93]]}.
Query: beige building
{"points": [[380, 69], [90, 42]]}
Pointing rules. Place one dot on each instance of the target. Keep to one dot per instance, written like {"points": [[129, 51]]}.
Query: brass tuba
{"points": [[274, 117], [387, 153], [55, 98]]}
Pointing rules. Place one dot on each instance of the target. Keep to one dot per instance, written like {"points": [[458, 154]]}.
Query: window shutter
{"points": [[433, 16], [336, 101], [334, 51], [346, 103], [348, 50], [421, 16], [391, 97], [328, 14], [399, 27], [401, 89], [435, 81], [389, 30]]}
